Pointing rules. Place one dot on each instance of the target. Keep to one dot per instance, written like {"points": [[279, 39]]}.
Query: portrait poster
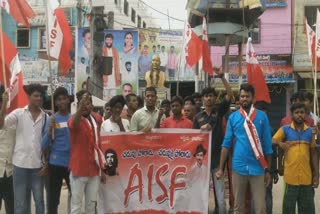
{"points": [[165, 171], [117, 63], [169, 46]]}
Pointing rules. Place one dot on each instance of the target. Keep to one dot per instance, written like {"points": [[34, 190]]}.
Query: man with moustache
{"points": [[252, 149], [301, 162], [87, 161], [111, 78]]}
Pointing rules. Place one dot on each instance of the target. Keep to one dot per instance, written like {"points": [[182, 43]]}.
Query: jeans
{"points": [[88, 186], [26, 181], [6, 193], [219, 192], [56, 176]]}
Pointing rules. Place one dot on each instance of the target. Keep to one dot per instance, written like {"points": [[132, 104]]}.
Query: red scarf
{"points": [[253, 136]]}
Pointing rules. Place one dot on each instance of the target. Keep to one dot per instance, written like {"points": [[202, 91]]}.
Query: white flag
{"points": [[317, 45]]}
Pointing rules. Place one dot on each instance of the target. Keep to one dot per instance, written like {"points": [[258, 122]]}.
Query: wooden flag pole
{"points": [[49, 64], [2, 53]]}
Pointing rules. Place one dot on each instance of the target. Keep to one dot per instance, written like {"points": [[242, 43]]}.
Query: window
{"points": [[42, 44], [133, 15], [139, 22], [255, 32], [144, 25], [23, 37], [311, 13], [126, 7]]}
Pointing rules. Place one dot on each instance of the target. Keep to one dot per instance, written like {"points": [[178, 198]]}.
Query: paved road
{"points": [[277, 200]]}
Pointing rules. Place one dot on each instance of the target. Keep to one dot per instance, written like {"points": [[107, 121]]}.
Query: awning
{"points": [[307, 75]]}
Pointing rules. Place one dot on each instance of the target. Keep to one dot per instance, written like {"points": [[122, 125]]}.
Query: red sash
{"points": [[253, 136]]}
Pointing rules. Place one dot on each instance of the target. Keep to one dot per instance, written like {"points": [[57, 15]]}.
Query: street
{"points": [[277, 199]]}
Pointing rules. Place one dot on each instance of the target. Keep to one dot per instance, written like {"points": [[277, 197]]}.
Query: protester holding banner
{"points": [[58, 148], [28, 122], [249, 129], [86, 158], [210, 119], [176, 120], [149, 116], [115, 123]]}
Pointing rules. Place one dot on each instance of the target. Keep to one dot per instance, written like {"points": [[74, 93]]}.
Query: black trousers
{"points": [[56, 176], [6, 193]]}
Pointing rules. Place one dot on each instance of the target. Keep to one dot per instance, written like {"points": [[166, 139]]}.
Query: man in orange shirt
{"points": [[177, 120]]}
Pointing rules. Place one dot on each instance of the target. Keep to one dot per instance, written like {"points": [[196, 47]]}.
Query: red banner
{"points": [[166, 171]]}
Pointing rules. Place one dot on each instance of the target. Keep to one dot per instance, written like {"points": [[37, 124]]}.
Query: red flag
{"points": [[311, 42], [60, 37], [19, 10], [206, 59], [193, 47], [255, 75], [14, 78]]}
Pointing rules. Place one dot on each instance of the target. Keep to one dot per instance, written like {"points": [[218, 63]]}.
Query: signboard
{"points": [[119, 62], [166, 171], [276, 68], [168, 45], [276, 3]]}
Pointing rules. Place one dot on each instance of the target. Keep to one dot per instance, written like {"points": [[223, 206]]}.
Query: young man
{"points": [[165, 107], [189, 111], [29, 124], [87, 161], [256, 148], [211, 120], [132, 104], [176, 120], [115, 123], [59, 147], [149, 116], [301, 162], [197, 98], [7, 141]]}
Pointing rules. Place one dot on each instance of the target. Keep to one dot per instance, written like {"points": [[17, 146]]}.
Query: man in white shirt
{"points": [[28, 123], [7, 141]]}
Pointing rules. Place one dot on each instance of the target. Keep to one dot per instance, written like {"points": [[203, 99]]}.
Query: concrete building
{"points": [[301, 60]]}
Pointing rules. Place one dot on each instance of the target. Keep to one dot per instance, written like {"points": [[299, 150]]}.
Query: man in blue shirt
{"points": [[56, 127], [252, 151]]}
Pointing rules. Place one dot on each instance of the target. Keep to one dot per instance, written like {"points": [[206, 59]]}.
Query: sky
{"points": [[176, 9]]}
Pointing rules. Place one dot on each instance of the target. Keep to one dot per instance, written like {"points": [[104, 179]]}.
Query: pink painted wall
{"points": [[275, 35]]}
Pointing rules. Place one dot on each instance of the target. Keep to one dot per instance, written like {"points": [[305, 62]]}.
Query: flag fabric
{"points": [[255, 75], [60, 37], [317, 43], [193, 46], [206, 58], [311, 43], [20, 10], [14, 78]]}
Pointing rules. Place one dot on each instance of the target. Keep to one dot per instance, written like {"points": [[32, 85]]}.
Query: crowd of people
{"points": [[39, 152]]}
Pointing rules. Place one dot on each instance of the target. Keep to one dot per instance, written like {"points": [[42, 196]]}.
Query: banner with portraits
{"points": [[169, 46], [165, 171], [116, 66]]}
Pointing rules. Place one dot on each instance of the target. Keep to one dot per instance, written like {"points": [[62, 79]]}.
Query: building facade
{"points": [[272, 41]]}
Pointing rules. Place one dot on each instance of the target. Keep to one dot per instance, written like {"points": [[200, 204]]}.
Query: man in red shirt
{"points": [[176, 120], [86, 158]]}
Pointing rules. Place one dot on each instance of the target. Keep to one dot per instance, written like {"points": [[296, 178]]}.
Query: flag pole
{"points": [[49, 63], [2, 53]]}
